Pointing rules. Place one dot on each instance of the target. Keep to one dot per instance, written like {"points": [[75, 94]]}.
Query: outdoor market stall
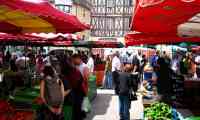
{"points": [[30, 16], [26, 96], [166, 22]]}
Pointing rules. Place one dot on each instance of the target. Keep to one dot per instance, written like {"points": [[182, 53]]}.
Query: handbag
{"points": [[86, 106], [132, 96]]}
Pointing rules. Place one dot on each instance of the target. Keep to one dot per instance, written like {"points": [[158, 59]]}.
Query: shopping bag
{"points": [[92, 77], [86, 106]]}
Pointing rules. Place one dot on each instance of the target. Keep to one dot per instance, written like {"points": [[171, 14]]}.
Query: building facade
{"points": [[79, 8], [111, 19]]}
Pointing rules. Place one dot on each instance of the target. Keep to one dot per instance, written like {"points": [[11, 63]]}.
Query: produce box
{"points": [[24, 99]]}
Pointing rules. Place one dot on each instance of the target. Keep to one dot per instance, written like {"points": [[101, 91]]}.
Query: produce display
{"points": [[158, 111], [8, 112], [193, 118]]}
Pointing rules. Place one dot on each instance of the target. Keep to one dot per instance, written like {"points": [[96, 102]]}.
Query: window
{"points": [[64, 8], [84, 12], [130, 2], [64, 2], [110, 3]]}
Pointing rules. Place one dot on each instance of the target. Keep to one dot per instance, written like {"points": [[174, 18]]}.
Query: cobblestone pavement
{"points": [[106, 107]]}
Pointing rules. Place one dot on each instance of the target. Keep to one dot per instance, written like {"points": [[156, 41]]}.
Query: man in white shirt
{"points": [[116, 64], [90, 64]]}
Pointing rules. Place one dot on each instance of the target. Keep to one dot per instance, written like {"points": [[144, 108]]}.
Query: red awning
{"points": [[132, 39], [10, 37], [59, 36], [163, 16], [20, 39], [25, 39], [23, 16]]}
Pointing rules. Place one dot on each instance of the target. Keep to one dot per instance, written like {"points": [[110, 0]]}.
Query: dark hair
{"points": [[76, 56], [66, 65], [48, 71]]}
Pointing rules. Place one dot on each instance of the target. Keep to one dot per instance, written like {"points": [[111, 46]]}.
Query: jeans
{"points": [[108, 80], [124, 106]]}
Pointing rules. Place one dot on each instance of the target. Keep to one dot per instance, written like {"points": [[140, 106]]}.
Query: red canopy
{"points": [[158, 20], [145, 39], [163, 16], [22, 16], [24, 39], [21, 39], [4, 37]]}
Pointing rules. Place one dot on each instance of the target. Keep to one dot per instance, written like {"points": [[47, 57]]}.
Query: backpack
{"points": [[53, 93]]}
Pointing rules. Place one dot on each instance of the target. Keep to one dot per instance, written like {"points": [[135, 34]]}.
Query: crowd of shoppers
{"points": [[63, 79], [67, 75], [74, 74], [153, 74]]}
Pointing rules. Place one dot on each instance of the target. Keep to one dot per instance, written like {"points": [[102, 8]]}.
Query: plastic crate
{"points": [[67, 112]]}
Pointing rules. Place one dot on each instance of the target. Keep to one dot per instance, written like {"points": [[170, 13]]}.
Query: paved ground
{"points": [[105, 107]]}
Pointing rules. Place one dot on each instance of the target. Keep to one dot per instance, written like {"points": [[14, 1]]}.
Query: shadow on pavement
{"points": [[102, 101]]}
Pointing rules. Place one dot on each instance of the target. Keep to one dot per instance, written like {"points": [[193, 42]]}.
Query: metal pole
{"points": [[123, 17]]}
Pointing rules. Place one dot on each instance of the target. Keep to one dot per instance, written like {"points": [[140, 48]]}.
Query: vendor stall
{"points": [[169, 22], [19, 17]]}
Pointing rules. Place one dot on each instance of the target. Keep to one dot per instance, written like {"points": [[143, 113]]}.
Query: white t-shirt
{"points": [[90, 65], [116, 64], [175, 64], [197, 60]]}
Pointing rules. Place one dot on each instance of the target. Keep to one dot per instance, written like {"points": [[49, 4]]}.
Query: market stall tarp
{"points": [[98, 44], [27, 39], [19, 38], [28, 16], [58, 36], [132, 39], [163, 16]]}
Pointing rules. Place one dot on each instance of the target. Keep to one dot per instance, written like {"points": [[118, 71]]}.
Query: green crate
{"points": [[23, 99], [36, 107], [67, 112]]}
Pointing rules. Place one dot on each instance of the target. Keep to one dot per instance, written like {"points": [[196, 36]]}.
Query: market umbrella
{"points": [[163, 16], [35, 16], [133, 38]]}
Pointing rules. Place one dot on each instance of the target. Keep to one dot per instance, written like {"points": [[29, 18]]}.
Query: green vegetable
{"points": [[193, 118], [158, 111]]}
